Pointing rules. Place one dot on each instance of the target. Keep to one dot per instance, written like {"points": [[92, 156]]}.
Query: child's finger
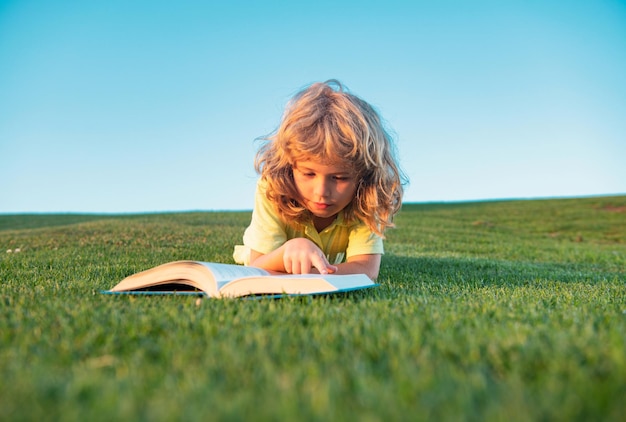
{"points": [[322, 265]]}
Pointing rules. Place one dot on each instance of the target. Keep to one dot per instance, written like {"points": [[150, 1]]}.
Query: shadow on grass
{"points": [[483, 272]]}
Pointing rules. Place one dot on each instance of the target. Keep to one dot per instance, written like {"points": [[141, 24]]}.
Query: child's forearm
{"points": [[296, 256], [272, 261], [362, 264]]}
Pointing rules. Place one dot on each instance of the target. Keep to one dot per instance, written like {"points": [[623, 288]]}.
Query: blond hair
{"points": [[325, 123]]}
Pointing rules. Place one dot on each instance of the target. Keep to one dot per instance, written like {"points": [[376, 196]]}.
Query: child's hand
{"points": [[301, 255]]}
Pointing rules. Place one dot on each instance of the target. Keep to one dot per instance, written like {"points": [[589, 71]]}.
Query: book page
{"points": [[295, 284], [348, 281], [227, 272], [343, 282]]}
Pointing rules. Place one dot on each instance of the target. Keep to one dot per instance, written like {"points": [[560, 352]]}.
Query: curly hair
{"points": [[325, 123]]}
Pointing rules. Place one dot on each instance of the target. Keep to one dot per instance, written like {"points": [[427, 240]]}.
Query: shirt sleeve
{"points": [[266, 231], [362, 241]]}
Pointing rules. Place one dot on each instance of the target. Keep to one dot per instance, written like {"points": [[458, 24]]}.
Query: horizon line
{"points": [[433, 202]]}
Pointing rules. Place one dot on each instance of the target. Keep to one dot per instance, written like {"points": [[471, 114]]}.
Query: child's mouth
{"points": [[321, 205]]}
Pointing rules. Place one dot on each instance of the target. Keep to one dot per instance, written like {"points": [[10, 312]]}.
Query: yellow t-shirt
{"points": [[338, 241]]}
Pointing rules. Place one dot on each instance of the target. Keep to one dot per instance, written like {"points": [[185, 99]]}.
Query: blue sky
{"points": [[141, 106]]}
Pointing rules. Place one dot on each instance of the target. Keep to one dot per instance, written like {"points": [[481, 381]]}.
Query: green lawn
{"points": [[486, 311]]}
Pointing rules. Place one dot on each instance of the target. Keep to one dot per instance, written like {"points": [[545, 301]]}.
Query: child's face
{"points": [[324, 189]]}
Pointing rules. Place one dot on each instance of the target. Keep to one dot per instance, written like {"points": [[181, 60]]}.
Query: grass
{"points": [[512, 310]]}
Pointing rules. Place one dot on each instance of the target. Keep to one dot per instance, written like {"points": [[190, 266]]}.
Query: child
{"points": [[329, 188]]}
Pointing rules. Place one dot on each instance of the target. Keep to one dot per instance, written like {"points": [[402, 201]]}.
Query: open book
{"points": [[228, 280]]}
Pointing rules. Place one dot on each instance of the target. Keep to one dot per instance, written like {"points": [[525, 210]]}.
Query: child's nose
{"points": [[322, 187]]}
